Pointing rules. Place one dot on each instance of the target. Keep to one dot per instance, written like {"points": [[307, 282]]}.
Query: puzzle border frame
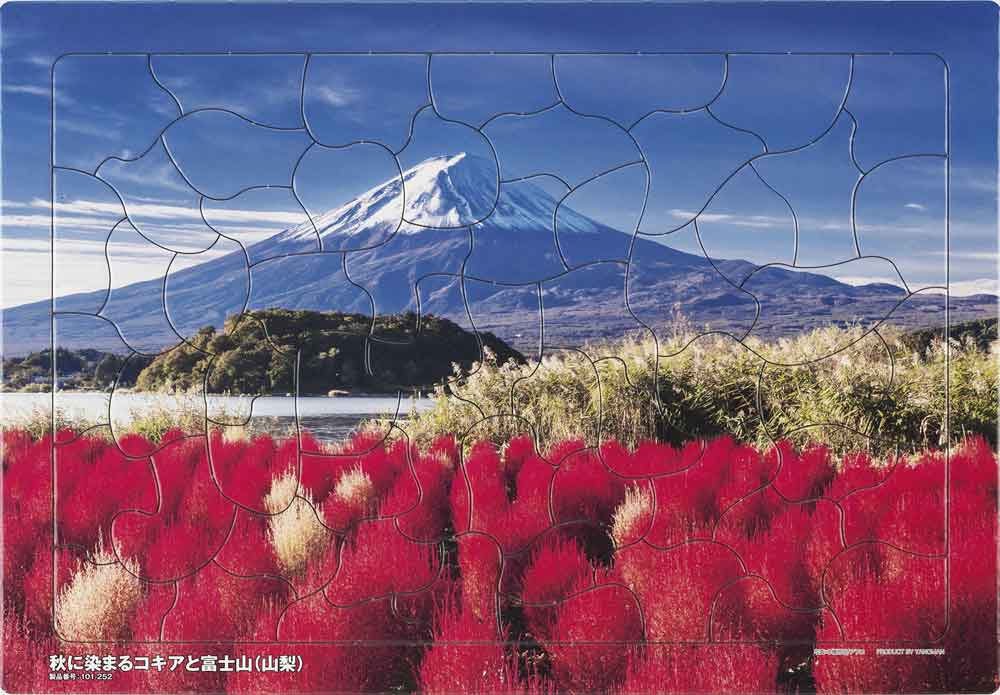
{"points": [[306, 56]]}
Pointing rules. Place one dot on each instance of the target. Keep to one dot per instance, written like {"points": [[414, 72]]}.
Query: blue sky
{"points": [[110, 106]]}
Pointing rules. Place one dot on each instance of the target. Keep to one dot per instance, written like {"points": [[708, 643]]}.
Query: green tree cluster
{"points": [[262, 352]]}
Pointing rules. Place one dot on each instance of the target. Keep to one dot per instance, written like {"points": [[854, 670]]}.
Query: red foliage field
{"points": [[711, 568]]}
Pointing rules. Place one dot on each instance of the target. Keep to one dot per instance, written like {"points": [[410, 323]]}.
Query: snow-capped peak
{"points": [[445, 192], [450, 192]]}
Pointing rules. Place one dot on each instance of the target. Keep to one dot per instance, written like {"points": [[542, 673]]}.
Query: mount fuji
{"points": [[447, 237]]}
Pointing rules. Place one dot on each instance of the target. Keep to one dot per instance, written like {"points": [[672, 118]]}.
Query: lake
{"points": [[329, 418]]}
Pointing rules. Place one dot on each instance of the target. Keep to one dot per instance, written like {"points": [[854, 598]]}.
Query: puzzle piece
{"points": [[826, 225], [747, 219], [268, 222], [129, 112], [493, 258], [504, 84], [603, 267], [458, 180], [788, 101], [912, 212], [883, 87], [549, 142], [84, 217], [353, 98], [586, 204], [709, 153], [221, 154], [628, 88], [154, 175], [235, 83], [354, 197]]}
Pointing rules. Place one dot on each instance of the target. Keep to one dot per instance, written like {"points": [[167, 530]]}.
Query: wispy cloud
{"points": [[41, 90], [90, 216], [915, 206], [983, 180], [757, 221], [146, 172], [27, 266], [805, 223], [857, 280], [32, 89], [335, 96], [965, 255], [957, 288], [964, 288], [159, 211], [39, 60]]}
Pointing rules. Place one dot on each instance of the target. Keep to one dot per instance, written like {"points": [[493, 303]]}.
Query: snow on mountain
{"points": [[447, 192], [443, 239]]}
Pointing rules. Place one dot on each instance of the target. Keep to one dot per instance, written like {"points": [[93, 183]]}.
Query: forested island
{"points": [[257, 352]]}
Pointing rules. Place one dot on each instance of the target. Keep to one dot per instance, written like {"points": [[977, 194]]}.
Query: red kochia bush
{"points": [[801, 476], [710, 480], [418, 499], [381, 561], [556, 569], [25, 657], [676, 587], [589, 616], [479, 493], [468, 655], [358, 650], [245, 469], [586, 561], [191, 524], [27, 508], [904, 594], [86, 469], [585, 489], [711, 669]]}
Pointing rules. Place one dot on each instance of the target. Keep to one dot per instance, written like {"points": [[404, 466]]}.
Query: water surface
{"points": [[329, 418]]}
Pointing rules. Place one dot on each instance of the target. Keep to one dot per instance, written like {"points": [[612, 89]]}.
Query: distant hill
{"points": [[88, 369], [257, 353]]}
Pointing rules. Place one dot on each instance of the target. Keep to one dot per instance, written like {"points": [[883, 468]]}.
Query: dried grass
{"points": [[296, 531], [98, 602]]}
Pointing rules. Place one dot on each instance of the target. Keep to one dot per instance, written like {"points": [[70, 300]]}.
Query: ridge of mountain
{"points": [[447, 238]]}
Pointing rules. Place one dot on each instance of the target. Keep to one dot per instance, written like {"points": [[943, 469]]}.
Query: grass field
{"points": [[845, 388]]}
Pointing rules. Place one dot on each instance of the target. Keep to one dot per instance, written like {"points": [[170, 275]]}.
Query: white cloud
{"points": [[40, 61], [27, 265], [33, 90], [172, 212], [965, 255], [78, 223], [981, 180], [97, 216], [915, 206], [335, 96], [964, 288], [857, 280], [755, 221], [958, 288]]}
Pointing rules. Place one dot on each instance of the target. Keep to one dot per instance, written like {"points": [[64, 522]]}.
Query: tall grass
{"points": [[845, 387]]}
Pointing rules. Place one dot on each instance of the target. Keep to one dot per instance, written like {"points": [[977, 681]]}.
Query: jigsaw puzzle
{"points": [[495, 370]]}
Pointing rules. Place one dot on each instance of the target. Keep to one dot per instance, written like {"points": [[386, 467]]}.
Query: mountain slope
{"points": [[409, 245]]}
